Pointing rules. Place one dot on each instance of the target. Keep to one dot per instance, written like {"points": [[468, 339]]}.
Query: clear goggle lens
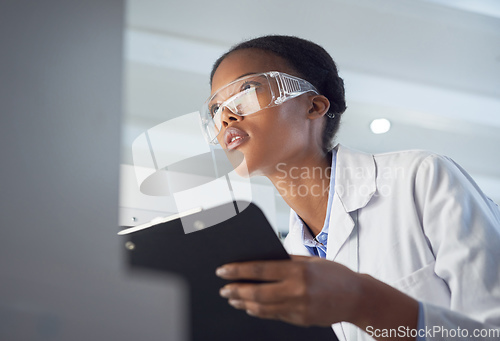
{"points": [[249, 95]]}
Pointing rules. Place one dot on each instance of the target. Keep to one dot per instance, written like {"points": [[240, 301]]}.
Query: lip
{"points": [[232, 132]]}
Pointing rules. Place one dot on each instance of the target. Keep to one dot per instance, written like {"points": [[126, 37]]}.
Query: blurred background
{"points": [[429, 67]]}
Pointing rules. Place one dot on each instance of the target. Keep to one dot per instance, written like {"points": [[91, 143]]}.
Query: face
{"points": [[280, 134]]}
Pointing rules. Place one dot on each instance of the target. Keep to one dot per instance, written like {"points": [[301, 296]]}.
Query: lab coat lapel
{"points": [[341, 225], [293, 242], [355, 175]]}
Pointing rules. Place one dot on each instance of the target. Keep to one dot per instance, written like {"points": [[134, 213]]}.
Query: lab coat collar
{"points": [[355, 185], [355, 175]]}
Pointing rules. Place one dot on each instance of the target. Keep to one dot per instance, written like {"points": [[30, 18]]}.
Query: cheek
{"points": [[281, 133], [289, 127], [272, 130], [220, 139]]}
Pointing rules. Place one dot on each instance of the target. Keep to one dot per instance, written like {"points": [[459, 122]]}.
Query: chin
{"points": [[242, 170], [241, 165]]}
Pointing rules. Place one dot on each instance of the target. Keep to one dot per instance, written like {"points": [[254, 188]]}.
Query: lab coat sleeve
{"points": [[463, 230]]}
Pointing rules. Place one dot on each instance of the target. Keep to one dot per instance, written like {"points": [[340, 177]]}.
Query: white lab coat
{"points": [[418, 222]]}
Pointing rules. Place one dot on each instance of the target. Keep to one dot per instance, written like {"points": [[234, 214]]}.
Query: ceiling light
{"points": [[380, 126]]}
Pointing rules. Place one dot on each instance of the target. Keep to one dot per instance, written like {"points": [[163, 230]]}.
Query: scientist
{"points": [[407, 246]]}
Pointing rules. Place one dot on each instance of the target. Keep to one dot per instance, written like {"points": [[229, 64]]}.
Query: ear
{"points": [[318, 107]]}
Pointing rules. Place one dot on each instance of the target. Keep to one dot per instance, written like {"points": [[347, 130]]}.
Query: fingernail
{"points": [[225, 292], [236, 303], [249, 312], [221, 271]]}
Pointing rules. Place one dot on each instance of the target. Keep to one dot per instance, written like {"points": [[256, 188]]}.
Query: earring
{"points": [[330, 115]]}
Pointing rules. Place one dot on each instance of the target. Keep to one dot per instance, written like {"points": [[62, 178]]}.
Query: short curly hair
{"points": [[312, 63]]}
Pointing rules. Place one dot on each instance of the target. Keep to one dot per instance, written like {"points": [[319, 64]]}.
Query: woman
{"points": [[406, 242]]}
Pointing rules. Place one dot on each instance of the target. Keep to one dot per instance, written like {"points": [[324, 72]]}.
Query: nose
{"points": [[227, 116]]}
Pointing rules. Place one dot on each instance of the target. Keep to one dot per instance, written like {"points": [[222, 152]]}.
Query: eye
{"points": [[249, 85], [214, 108]]}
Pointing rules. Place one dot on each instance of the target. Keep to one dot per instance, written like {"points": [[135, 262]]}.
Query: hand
{"points": [[304, 290]]}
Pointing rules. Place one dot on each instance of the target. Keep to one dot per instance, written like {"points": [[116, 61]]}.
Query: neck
{"points": [[304, 185]]}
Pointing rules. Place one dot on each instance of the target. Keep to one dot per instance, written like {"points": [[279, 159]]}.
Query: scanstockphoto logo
{"points": [[435, 333], [315, 181], [302, 181], [382, 173]]}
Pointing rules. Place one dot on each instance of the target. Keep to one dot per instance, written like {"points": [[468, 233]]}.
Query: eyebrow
{"points": [[245, 74]]}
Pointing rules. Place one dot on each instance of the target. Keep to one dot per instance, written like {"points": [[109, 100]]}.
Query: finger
{"points": [[302, 258], [259, 270], [267, 311], [263, 293], [283, 312], [278, 311]]}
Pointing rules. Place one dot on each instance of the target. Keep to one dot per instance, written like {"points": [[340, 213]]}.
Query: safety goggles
{"points": [[248, 95]]}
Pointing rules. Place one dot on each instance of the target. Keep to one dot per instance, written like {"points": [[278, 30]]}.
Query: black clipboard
{"points": [[195, 256]]}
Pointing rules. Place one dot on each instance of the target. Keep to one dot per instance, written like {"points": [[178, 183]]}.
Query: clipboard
{"points": [[244, 237]]}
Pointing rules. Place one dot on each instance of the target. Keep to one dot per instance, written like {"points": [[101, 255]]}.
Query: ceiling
{"points": [[432, 67]]}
